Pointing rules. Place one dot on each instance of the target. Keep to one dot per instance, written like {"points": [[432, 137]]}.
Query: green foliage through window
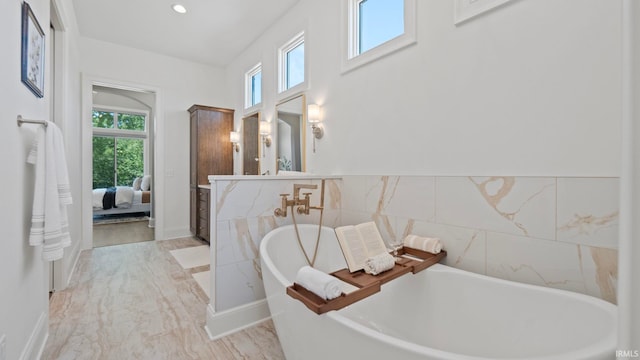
{"points": [[117, 160], [130, 122], [103, 119]]}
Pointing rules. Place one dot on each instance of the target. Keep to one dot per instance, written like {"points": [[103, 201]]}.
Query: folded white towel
{"points": [[428, 244], [319, 283], [379, 263]]}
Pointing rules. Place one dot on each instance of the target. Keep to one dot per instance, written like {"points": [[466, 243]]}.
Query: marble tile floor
{"points": [[135, 301]]}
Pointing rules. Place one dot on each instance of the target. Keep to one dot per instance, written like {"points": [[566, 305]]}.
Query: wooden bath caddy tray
{"points": [[367, 284]]}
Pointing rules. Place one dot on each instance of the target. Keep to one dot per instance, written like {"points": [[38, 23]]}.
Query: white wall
{"points": [[24, 277], [68, 112], [181, 84], [532, 88]]}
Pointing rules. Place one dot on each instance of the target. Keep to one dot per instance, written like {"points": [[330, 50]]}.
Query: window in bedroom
{"points": [[291, 63], [119, 147], [253, 86], [375, 28]]}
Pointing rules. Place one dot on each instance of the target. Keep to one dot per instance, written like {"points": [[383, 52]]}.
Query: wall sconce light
{"points": [[313, 117], [265, 132], [234, 137]]}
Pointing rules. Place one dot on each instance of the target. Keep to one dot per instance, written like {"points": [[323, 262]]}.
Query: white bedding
{"points": [[125, 197]]}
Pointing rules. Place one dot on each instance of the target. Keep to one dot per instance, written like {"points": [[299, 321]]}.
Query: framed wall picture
{"points": [[466, 9], [32, 52]]}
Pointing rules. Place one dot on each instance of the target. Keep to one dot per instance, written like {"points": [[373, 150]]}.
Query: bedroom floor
{"points": [[124, 232], [135, 301]]}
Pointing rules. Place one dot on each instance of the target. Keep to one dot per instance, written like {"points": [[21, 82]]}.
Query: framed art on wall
{"points": [[32, 52], [466, 9]]}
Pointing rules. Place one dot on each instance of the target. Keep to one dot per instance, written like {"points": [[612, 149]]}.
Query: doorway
{"points": [[132, 215], [122, 162]]}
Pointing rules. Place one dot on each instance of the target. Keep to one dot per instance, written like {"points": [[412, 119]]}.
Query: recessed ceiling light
{"points": [[179, 8]]}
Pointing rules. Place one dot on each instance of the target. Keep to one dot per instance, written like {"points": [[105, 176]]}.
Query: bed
{"points": [[123, 199]]}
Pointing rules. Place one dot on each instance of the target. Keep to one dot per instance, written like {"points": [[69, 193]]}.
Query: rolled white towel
{"points": [[379, 263], [428, 244], [319, 283]]}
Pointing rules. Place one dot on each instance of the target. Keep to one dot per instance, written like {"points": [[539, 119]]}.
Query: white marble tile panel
{"points": [[238, 284], [224, 244], [249, 198], [333, 194], [466, 248], [354, 217], [354, 192], [513, 205], [588, 211], [600, 267], [242, 240], [402, 196], [536, 261]]}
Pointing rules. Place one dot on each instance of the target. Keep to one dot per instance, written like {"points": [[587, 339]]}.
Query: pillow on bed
{"points": [[145, 185], [137, 182]]}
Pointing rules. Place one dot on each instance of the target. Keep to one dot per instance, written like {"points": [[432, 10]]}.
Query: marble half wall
{"points": [[242, 214], [555, 232]]}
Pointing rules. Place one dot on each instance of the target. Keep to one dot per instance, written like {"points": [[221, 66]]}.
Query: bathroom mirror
{"points": [[251, 144], [291, 117]]}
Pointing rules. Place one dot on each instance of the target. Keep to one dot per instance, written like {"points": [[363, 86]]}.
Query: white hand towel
{"points": [[428, 244], [319, 283], [379, 263], [49, 225]]}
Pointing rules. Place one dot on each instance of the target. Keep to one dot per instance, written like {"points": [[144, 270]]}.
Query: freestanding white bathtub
{"points": [[439, 313]]}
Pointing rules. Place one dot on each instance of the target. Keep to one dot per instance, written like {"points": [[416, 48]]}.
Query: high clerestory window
{"points": [[375, 28], [119, 146], [253, 86], [291, 64]]}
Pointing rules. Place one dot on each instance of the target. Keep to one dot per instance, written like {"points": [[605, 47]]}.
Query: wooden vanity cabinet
{"points": [[210, 154]]}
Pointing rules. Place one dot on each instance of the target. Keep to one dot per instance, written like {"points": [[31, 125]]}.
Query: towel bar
{"points": [[22, 121]]}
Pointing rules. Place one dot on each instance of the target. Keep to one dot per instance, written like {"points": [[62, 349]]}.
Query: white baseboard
{"points": [[72, 270], [175, 233], [38, 339], [223, 323]]}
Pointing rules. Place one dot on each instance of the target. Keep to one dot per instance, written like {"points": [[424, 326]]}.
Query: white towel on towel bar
{"points": [[49, 225]]}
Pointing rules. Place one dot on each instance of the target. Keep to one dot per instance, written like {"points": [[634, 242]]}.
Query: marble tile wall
{"points": [[243, 216], [556, 232]]}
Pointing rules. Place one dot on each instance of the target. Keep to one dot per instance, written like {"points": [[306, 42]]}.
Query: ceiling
{"points": [[212, 32]]}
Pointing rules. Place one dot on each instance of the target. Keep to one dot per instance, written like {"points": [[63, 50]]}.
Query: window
{"points": [[291, 63], [374, 13], [375, 28], [253, 86], [119, 147]]}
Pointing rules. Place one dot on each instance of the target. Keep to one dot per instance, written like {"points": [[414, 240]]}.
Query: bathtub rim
{"points": [[593, 349]]}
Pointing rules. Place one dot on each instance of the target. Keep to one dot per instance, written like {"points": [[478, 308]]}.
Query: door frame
{"points": [[157, 131]]}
